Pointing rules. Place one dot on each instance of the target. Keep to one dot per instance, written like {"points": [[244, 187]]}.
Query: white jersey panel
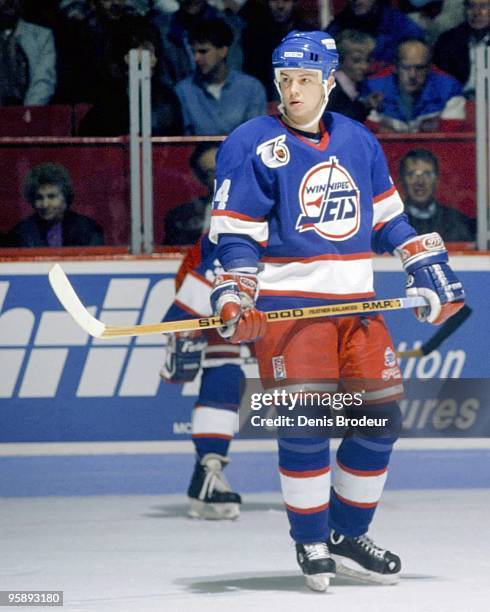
{"points": [[350, 277]]}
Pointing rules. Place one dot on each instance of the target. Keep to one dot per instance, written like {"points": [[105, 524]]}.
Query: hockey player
{"points": [[306, 198], [215, 415]]}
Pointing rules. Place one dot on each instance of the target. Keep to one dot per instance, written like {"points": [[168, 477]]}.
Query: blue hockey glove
{"points": [[425, 258], [182, 356], [233, 299]]}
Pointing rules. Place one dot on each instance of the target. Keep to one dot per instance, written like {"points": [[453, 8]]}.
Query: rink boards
{"points": [[59, 385]]}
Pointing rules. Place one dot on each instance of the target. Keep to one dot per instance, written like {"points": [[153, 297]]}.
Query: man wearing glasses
{"points": [[419, 175], [416, 98]]}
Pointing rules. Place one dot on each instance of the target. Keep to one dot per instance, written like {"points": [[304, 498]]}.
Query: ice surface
{"points": [[141, 553]]}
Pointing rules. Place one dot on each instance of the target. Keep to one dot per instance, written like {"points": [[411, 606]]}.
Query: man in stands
{"points": [[261, 37], [416, 97], [216, 100], [455, 50], [386, 24], [86, 72], [185, 223], [28, 59], [110, 115], [177, 60], [419, 173]]}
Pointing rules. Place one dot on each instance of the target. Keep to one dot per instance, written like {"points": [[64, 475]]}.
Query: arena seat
{"points": [[18, 121]]}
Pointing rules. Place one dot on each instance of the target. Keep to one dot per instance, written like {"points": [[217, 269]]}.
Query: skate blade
{"points": [[348, 567], [318, 582], [213, 512]]}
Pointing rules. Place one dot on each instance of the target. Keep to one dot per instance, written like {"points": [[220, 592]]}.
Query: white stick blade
{"points": [[72, 304]]}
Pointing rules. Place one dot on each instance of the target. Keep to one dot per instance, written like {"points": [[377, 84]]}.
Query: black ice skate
{"points": [[210, 495], [359, 557], [316, 564]]}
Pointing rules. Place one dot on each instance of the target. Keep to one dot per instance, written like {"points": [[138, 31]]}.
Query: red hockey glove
{"points": [[429, 275], [233, 299]]}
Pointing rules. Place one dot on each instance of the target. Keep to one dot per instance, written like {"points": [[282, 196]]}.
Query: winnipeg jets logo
{"points": [[274, 153], [329, 201]]}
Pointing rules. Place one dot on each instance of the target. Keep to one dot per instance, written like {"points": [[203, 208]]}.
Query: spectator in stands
{"points": [[136, 6], [110, 115], [455, 50], [215, 100], [385, 23], [185, 223], [261, 37], [424, 14], [27, 59], [42, 13], [48, 189], [86, 72], [416, 98], [177, 60], [419, 174], [451, 15], [355, 50]]}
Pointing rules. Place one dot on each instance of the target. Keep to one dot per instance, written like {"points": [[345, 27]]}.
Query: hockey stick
{"points": [[448, 328], [72, 304]]}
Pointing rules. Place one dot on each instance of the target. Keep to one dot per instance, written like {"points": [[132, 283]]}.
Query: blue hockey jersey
{"points": [[311, 213]]}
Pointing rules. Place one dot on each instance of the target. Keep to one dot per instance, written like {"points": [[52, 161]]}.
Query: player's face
{"points": [[413, 67], [478, 13], [356, 62], [208, 58], [420, 181], [50, 203], [302, 94], [281, 10]]}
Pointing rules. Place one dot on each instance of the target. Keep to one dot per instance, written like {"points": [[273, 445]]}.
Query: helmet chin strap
{"points": [[314, 122]]}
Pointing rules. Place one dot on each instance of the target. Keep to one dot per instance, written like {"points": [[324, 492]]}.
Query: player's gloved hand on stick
{"points": [[425, 258], [233, 299], [182, 356]]}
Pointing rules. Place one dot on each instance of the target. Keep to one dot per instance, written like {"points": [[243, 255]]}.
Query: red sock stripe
{"points": [[307, 474], [307, 510], [356, 504], [361, 472]]}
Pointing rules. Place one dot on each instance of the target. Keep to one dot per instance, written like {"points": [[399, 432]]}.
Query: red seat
{"points": [[18, 121], [79, 112]]}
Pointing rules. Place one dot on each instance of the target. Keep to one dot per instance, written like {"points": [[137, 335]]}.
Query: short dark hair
{"points": [[214, 31], [419, 155], [48, 174]]}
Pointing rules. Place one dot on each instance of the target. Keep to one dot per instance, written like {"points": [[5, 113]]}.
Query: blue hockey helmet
{"points": [[308, 50]]}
